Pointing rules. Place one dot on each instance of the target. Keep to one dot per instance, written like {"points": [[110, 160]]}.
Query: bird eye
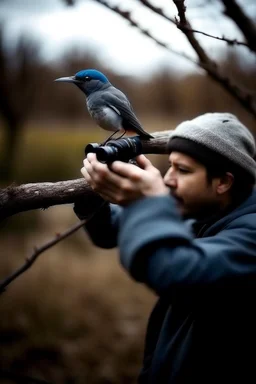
{"points": [[88, 78]]}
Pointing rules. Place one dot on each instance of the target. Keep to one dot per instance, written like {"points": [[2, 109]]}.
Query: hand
{"points": [[123, 183]]}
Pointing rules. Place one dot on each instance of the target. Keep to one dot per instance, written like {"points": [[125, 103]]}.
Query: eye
{"points": [[183, 170], [87, 78]]}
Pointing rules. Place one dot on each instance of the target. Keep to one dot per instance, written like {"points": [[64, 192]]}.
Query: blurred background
{"points": [[75, 316]]}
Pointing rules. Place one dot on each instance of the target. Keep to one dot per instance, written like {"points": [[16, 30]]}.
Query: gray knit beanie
{"points": [[222, 134]]}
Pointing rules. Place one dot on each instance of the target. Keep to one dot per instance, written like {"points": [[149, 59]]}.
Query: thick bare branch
{"points": [[209, 65], [243, 22], [185, 27], [161, 12], [244, 98], [15, 199]]}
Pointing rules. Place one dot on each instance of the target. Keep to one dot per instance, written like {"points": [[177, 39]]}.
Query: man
{"points": [[203, 327]]}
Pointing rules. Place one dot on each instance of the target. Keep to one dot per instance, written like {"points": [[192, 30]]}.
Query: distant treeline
{"points": [[29, 84], [28, 91], [162, 94]]}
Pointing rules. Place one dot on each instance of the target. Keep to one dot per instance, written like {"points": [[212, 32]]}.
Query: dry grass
{"points": [[75, 316]]}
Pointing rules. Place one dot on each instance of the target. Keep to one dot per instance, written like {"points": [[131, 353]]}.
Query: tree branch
{"points": [[157, 10], [209, 65], [37, 251], [244, 98], [223, 38], [127, 16], [243, 22], [184, 27], [41, 195], [15, 199]]}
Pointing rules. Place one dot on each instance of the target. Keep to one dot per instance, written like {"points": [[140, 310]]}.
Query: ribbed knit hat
{"points": [[216, 138]]}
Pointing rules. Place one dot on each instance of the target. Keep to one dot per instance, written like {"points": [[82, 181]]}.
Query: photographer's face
{"points": [[187, 179]]}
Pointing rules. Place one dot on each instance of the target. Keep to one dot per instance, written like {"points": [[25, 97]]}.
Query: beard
{"points": [[198, 210]]}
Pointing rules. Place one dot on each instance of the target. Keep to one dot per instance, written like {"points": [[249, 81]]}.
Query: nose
{"points": [[169, 179]]}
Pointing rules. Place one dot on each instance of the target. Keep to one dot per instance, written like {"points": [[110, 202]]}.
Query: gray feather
{"points": [[116, 100]]}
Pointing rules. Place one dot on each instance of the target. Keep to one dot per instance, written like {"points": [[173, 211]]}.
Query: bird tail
{"points": [[146, 135]]}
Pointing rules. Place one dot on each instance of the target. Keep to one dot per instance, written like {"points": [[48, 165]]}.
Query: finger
{"points": [[143, 162], [106, 190], [126, 170], [94, 168], [86, 174], [91, 157], [87, 171], [87, 164], [103, 175]]}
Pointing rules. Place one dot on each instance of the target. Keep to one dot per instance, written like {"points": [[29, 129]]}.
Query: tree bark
{"points": [[242, 21], [15, 199]]}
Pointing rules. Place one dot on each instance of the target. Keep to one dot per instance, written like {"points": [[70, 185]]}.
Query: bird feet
{"points": [[110, 137]]}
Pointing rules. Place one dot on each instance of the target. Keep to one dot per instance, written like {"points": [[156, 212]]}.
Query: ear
{"points": [[224, 183]]}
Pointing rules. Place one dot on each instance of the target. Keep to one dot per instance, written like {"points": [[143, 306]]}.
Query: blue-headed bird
{"points": [[108, 106]]}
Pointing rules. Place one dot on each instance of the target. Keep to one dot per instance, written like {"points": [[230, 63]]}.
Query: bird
{"points": [[108, 106]]}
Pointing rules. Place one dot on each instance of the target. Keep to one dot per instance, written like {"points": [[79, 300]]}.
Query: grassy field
{"points": [[54, 151]]}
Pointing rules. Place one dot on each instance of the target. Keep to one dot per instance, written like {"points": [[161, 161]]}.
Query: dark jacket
{"points": [[203, 327]]}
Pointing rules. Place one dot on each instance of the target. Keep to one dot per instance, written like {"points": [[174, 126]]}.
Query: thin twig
{"points": [[246, 25], [223, 38], [157, 10], [244, 98], [127, 15], [160, 12], [209, 65], [37, 251]]}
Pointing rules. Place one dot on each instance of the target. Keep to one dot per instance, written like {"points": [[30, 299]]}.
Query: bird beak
{"points": [[70, 79]]}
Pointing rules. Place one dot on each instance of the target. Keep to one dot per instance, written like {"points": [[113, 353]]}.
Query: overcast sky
{"points": [[90, 26]]}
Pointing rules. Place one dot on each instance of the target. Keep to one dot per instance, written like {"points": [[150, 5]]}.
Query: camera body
{"points": [[121, 149]]}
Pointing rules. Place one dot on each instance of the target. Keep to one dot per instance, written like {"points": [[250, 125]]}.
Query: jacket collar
{"points": [[211, 225]]}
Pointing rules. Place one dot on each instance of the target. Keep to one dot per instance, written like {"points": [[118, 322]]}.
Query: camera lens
{"points": [[91, 148], [121, 149], [107, 154]]}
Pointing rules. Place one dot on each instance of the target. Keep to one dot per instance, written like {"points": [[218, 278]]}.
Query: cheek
{"points": [[186, 185], [189, 188]]}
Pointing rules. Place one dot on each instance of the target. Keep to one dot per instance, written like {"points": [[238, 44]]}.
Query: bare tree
{"points": [[19, 70], [232, 10]]}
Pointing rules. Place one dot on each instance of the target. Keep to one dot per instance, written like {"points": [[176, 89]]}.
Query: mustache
{"points": [[175, 196]]}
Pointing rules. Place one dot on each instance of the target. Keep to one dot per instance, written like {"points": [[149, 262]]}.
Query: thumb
{"points": [[143, 162]]}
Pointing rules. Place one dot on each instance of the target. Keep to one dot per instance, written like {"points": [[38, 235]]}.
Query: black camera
{"points": [[121, 149]]}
